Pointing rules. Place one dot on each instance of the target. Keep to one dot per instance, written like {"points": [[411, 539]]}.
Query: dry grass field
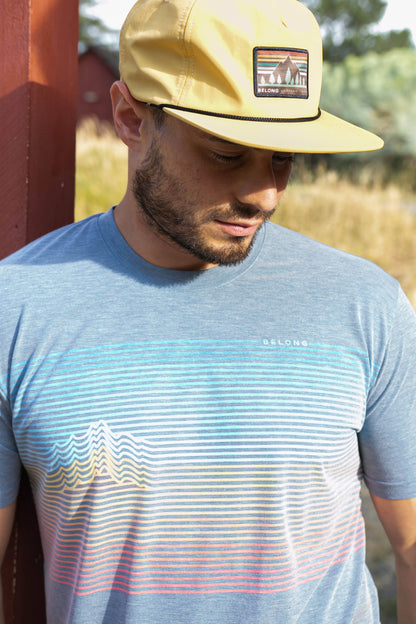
{"points": [[101, 169], [366, 220]]}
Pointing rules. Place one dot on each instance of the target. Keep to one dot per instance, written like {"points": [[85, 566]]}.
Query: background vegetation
{"points": [[378, 92], [92, 30], [348, 28]]}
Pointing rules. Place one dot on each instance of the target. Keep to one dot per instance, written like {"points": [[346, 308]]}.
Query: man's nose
{"points": [[260, 188]]}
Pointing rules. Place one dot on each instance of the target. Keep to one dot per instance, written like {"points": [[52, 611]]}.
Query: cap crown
{"points": [[249, 71], [212, 55]]}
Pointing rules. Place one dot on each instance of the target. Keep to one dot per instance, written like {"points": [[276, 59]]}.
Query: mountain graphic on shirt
{"points": [[100, 453]]}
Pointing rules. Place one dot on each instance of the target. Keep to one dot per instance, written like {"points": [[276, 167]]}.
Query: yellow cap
{"points": [[249, 71]]}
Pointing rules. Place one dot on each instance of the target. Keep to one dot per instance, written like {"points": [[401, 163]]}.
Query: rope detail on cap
{"points": [[238, 117]]}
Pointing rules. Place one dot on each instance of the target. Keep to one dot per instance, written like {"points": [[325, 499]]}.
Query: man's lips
{"points": [[238, 228]]}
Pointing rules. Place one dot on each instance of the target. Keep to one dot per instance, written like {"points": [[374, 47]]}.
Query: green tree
{"points": [[92, 31], [347, 27], [377, 92]]}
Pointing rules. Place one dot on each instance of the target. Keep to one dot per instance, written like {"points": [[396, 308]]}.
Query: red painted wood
{"points": [[38, 99], [38, 95], [14, 90]]}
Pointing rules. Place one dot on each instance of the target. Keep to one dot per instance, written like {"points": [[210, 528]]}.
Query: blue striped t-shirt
{"points": [[196, 441]]}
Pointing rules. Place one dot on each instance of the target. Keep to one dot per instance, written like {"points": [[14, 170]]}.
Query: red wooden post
{"points": [[38, 96]]}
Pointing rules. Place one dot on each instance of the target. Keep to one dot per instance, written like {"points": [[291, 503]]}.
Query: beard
{"points": [[173, 211]]}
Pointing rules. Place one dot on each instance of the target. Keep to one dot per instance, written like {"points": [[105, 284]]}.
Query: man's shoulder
{"points": [[323, 269], [61, 245], [52, 273], [302, 249]]}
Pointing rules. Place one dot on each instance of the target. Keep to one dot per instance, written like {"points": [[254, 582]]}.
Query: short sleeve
{"points": [[9, 457], [388, 438]]}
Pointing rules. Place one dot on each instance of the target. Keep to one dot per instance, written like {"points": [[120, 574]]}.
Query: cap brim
{"points": [[326, 135]]}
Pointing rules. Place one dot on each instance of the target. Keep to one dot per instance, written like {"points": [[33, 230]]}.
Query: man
{"points": [[195, 393]]}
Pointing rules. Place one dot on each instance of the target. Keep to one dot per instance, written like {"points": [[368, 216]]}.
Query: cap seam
{"points": [[192, 62], [184, 85]]}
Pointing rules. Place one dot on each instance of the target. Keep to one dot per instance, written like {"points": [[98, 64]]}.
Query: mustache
{"points": [[248, 211]]}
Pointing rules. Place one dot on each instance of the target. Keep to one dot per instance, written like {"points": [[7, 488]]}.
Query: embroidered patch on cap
{"points": [[281, 72]]}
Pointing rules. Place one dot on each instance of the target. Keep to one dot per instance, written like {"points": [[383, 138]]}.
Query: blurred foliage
{"points": [[92, 30], [347, 28], [376, 92]]}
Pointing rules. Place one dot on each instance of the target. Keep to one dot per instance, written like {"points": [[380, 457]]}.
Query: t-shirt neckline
{"points": [[138, 266]]}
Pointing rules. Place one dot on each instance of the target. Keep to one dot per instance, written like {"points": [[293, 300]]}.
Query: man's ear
{"points": [[128, 114]]}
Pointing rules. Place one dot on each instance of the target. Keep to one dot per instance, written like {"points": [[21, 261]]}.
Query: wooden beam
{"points": [[38, 96]]}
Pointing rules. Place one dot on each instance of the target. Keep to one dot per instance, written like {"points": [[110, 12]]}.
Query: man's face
{"points": [[206, 196]]}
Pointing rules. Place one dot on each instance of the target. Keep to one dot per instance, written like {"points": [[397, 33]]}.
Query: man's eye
{"points": [[225, 158], [283, 158]]}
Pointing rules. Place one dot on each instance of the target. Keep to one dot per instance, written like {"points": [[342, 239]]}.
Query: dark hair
{"points": [[159, 116]]}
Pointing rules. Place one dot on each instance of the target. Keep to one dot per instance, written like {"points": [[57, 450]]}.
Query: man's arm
{"points": [[398, 518], [6, 525]]}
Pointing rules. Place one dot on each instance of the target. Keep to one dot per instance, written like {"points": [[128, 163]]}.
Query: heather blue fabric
{"points": [[196, 441]]}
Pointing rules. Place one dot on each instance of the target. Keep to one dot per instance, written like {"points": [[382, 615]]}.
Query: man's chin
{"points": [[229, 253]]}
